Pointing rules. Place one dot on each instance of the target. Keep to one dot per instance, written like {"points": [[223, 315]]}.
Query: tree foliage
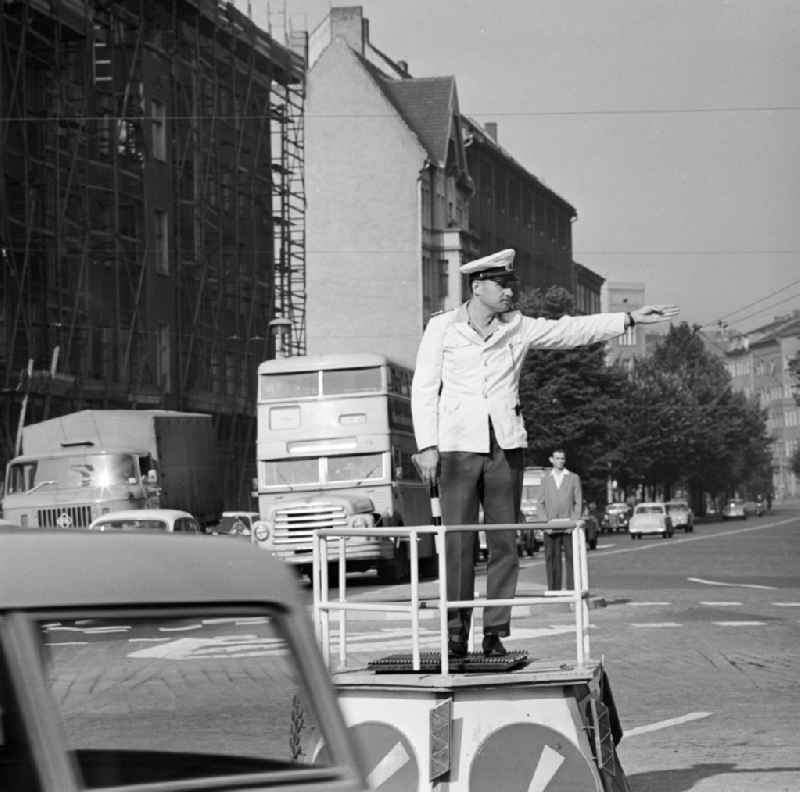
{"points": [[673, 420]]}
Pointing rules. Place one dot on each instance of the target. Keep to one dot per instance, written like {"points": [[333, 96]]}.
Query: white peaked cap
{"points": [[496, 263]]}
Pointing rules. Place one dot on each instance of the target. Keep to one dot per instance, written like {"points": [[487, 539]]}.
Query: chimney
{"points": [[491, 130], [403, 66], [347, 22], [298, 43]]}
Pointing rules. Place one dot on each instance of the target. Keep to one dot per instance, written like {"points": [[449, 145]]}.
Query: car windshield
{"points": [[677, 507], [649, 509], [150, 700], [131, 524]]}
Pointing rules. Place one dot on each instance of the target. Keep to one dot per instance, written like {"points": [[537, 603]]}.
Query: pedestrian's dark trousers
{"points": [[466, 480], [552, 554]]}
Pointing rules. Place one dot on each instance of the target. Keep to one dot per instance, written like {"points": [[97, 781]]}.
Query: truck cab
{"points": [[69, 489]]}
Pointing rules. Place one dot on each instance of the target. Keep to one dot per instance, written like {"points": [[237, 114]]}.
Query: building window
{"points": [[163, 361], [161, 241], [159, 130]]}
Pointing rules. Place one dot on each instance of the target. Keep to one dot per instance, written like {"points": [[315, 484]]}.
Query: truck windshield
{"points": [[72, 472]]}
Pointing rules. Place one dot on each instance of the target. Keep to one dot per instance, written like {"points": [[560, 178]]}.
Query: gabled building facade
{"points": [[388, 193]]}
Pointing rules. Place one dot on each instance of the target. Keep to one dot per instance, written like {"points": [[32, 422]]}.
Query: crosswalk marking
{"points": [[656, 624], [712, 603], [739, 623]]}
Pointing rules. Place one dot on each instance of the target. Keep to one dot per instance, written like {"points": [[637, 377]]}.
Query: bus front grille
{"points": [[295, 524], [65, 517]]}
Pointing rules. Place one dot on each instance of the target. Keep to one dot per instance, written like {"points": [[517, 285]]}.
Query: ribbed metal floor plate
{"points": [[430, 663]]}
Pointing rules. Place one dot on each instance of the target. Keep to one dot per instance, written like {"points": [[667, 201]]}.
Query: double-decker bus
{"points": [[334, 447]]}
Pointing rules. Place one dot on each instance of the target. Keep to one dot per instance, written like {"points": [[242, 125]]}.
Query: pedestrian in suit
{"points": [[561, 499], [469, 427]]}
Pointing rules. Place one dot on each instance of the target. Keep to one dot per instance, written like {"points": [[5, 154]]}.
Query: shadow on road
{"points": [[684, 779]]}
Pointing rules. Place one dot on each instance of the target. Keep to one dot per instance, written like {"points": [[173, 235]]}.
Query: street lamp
{"points": [[280, 331]]}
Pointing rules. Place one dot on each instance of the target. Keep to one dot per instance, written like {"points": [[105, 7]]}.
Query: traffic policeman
{"points": [[469, 427]]}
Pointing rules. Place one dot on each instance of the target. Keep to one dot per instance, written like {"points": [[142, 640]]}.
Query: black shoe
{"points": [[457, 646], [492, 646]]}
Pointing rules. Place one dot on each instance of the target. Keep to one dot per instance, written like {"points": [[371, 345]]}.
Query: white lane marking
{"points": [[786, 604], [665, 724], [147, 640], [66, 643], [181, 629], [103, 630], [739, 623], [393, 762], [647, 604], [730, 585], [713, 604], [546, 768], [605, 547], [656, 624]]}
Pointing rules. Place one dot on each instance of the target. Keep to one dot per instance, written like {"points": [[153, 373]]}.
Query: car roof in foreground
{"points": [[42, 569]]}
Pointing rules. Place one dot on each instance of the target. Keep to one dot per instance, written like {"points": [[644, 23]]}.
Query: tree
{"points": [[708, 435]]}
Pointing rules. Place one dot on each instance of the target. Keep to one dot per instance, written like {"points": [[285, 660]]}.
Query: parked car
{"points": [[100, 687], [734, 510], [616, 517], [755, 508], [237, 523], [159, 520], [650, 518], [681, 515]]}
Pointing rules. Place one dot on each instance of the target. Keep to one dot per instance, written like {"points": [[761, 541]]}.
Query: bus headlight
{"points": [[262, 530], [361, 521]]}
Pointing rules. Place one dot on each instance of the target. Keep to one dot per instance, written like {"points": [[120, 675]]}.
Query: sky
{"points": [[672, 127]]}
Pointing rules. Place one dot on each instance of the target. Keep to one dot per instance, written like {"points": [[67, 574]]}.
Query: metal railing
{"points": [[323, 605]]}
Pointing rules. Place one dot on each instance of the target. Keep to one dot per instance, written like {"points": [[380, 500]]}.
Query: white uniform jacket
{"points": [[461, 380]]}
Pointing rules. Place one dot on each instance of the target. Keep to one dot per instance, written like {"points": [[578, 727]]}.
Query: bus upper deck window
{"points": [[360, 380], [292, 385]]}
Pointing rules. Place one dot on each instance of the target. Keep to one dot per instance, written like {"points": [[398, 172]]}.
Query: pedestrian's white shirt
{"points": [[461, 380], [558, 475]]}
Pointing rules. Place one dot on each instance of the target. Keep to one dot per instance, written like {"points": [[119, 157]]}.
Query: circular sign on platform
{"points": [[388, 757], [529, 757]]}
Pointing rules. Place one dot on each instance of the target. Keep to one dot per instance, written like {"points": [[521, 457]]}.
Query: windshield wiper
{"points": [[36, 486]]}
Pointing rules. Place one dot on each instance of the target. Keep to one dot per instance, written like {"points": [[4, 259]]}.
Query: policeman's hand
{"points": [[650, 314], [427, 464]]}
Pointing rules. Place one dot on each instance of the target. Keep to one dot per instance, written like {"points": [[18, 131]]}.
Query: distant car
{"points": [[756, 508], [734, 510], [681, 515], [650, 518], [237, 523], [616, 517], [152, 520]]}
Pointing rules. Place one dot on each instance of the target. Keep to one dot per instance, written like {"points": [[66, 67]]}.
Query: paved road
{"points": [[700, 638], [699, 635]]}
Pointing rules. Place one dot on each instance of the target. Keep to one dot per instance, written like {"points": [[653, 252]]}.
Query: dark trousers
{"points": [[494, 480], [553, 543]]}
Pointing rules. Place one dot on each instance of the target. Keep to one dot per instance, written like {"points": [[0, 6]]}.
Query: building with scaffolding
{"points": [[151, 212]]}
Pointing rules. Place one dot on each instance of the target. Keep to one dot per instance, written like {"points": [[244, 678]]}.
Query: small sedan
{"points": [[650, 518], [151, 520], [680, 514], [237, 523], [734, 510], [616, 517]]}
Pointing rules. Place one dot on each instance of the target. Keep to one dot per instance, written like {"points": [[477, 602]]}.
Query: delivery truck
{"points": [[79, 466]]}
